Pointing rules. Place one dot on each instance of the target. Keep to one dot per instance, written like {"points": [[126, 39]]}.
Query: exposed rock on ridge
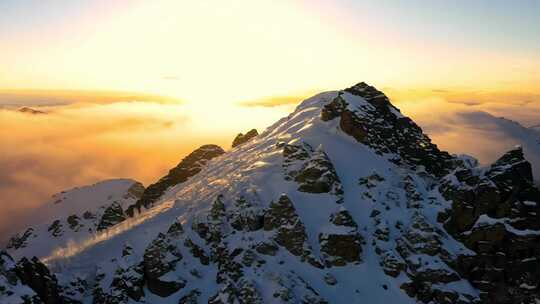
{"points": [[379, 125], [188, 167], [496, 214], [243, 138]]}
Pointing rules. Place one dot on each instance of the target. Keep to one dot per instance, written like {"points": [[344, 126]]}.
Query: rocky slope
{"points": [[343, 201], [76, 214]]}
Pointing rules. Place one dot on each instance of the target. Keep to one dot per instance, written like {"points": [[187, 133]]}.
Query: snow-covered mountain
{"points": [[343, 201]]}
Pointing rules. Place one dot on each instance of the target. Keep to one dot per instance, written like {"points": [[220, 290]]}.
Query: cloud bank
{"points": [[77, 145], [485, 130]]}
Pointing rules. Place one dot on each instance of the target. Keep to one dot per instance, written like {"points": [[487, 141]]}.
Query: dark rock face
{"points": [[340, 249], [242, 292], [412, 250], [10, 283], [243, 138], [311, 169], [318, 175], [135, 191], [191, 297], [210, 228], [20, 241], [381, 127], [126, 284], [290, 232], [497, 215], [74, 222], [55, 228], [247, 216], [36, 275], [188, 167], [421, 238], [112, 216], [161, 258]]}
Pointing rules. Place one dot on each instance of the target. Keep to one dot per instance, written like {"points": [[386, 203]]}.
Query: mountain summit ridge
{"points": [[345, 200]]}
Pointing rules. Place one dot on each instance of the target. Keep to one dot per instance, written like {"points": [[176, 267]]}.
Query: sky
{"points": [[131, 87], [229, 51]]}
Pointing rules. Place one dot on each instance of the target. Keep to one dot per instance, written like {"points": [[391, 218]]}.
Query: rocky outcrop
{"points": [[311, 169], [289, 231], [246, 216], [343, 245], [74, 222], [55, 228], [126, 283], [12, 290], [188, 167], [20, 240], [135, 191], [379, 125], [243, 138], [427, 276], [209, 228], [36, 275], [112, 216], [496, 214], [161, 258]]}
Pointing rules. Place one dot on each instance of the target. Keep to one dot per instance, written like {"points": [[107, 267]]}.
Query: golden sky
{"points": [[223, 52]]}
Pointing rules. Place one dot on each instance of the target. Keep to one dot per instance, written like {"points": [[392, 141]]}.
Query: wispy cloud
{"points": [[171, 77], [48, 98], [274, 101]]}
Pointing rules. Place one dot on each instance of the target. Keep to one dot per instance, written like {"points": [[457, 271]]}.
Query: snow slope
{"points": [[72, 215]]}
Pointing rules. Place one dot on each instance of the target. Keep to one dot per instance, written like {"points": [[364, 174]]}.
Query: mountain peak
{"points": [[367, 115], [512, 165]]}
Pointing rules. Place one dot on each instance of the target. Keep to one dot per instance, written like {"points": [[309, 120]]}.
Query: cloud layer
{"points": [[485, 130], [77, 145]]}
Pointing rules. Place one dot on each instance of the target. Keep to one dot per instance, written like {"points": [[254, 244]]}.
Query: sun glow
{"points": [[215, 52]]}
